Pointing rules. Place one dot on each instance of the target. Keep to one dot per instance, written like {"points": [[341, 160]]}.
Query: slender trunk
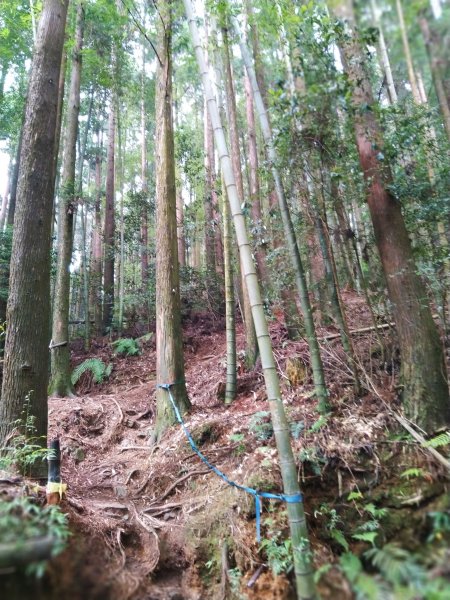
{"points": [[59, 112], [121, 283], [436, 72], [96, 262], [218, 246], [60, 382], [109, 229], [423, 374], [208, 203], [231, 381], [84, 222], [383, 53], [251, 348], [144, 180], [169, 343], [25, 373], [300, 278], [300, 542], [407, 51], [255, 201]]}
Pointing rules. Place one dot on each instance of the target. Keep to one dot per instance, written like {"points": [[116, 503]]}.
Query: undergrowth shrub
{"points": [[126, 346], [100, 371], [22, 520], [24, 448]]}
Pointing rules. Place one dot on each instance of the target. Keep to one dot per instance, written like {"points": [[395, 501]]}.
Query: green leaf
{"points": [[351, 566], [339, 537], [366, 536]]}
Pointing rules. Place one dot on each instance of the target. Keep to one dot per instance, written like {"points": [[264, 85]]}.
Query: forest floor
{"points": [[153, 523]]}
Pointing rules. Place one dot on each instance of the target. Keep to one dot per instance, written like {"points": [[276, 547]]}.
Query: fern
{"points": [[339, 537], [100, 371], [351, 565], [412, 472], [126, 346], [396, 564], [364, 586], [366, 536], [443, 439]]}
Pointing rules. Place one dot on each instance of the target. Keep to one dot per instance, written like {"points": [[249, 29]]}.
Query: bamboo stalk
{"points": [[320, 388], [300, 542]]}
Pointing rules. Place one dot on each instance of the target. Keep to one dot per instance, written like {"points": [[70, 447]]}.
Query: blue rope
{"points": [[257, 494]]}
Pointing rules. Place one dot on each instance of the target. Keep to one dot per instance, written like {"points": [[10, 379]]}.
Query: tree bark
{"points": [[25, 372], [96, 263], [251, 348], [169, 343], [230, 316], [110, 223], [60, 383], [430, 44], [255, 200], [144, 180], [423, 374], [210, 258], [407, 51], [383, 54]]}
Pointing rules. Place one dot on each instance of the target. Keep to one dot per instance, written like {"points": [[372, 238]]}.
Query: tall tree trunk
{"points": [[144, 180], [300, 541], [96, 262], [59, 112], [25, 373], [169, 343], [255, 200], [299, 273], [60, 383], [209, 191], [435, 71], [383, 54], [120, 175], [251, 348], [423, 374], [407, 51], [109, 229], [230, 316]]}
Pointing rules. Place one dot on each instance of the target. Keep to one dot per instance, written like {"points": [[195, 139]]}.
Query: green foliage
{"points": [[5, 257], [100, 371], [397, 565], [364, 586], [201, 290], [238, 438], [24, 447], [333, 520], [440, 525], [126, 346], [278, 553], [260, 425], [21, 520], [412, 472], [317, 425], [443, 439], [312, 456]]}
